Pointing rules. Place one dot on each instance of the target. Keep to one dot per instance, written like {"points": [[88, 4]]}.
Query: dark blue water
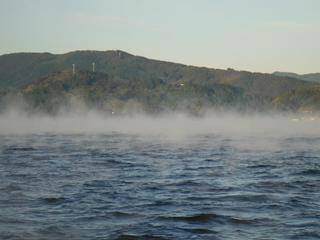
{"points": [[134, 187]]}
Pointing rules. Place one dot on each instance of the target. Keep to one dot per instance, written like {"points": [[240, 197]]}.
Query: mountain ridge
{"points": [[148, 78], [311, 77]]}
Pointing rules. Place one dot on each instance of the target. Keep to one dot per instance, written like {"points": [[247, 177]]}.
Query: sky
{"points": [[253, 35]]}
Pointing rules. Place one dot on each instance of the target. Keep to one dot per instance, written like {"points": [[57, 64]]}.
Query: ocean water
{"points": [[130, 186]]}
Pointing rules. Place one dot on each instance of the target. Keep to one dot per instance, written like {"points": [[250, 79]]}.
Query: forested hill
{"points": [[122, 78], [311, 77]]}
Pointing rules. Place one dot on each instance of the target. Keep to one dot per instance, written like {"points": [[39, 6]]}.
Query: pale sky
{"points": [[254, 35]]}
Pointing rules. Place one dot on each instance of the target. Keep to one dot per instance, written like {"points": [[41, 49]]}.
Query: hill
{"points": [[300, 100], [46, 81], [17, 70], [311, 77], [113, 94]]}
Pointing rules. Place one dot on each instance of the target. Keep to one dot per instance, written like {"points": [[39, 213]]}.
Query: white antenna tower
{"points": [[93, 67], [73, 69]]}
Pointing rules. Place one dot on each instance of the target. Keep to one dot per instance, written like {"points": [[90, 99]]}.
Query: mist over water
{"points": [[172, 125]]}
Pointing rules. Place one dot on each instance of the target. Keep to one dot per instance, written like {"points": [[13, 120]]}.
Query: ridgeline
{"points": [[121, 81]]}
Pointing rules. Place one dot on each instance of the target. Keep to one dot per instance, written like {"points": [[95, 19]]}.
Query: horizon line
{"points": [[155, 59]]}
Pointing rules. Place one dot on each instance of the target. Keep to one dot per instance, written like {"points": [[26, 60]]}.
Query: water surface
{"points": [[118, 186]]}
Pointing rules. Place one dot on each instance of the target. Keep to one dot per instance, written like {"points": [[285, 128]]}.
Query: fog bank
{"points": [[176, 125]]}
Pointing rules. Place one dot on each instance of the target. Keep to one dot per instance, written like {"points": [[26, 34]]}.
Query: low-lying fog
{"points": [[174, 125]]}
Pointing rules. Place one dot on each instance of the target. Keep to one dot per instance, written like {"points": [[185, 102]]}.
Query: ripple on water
{"points": [[216, 218], [139, 237], [309, 172], [127, 187], [53, 200]]}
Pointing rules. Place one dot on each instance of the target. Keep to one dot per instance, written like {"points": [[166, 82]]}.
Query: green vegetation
{"points": [[311, 77], [300, 99], [111, 93], [125, 82]]}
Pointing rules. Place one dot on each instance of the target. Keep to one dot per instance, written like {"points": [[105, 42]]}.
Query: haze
{"points": [[170, 125], [262, 36]]}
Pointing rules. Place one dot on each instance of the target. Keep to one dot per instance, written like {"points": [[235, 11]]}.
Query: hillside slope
{"points": [[300, 100], [46, 80], [17, 70], [311, 77], [114, 94]]}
